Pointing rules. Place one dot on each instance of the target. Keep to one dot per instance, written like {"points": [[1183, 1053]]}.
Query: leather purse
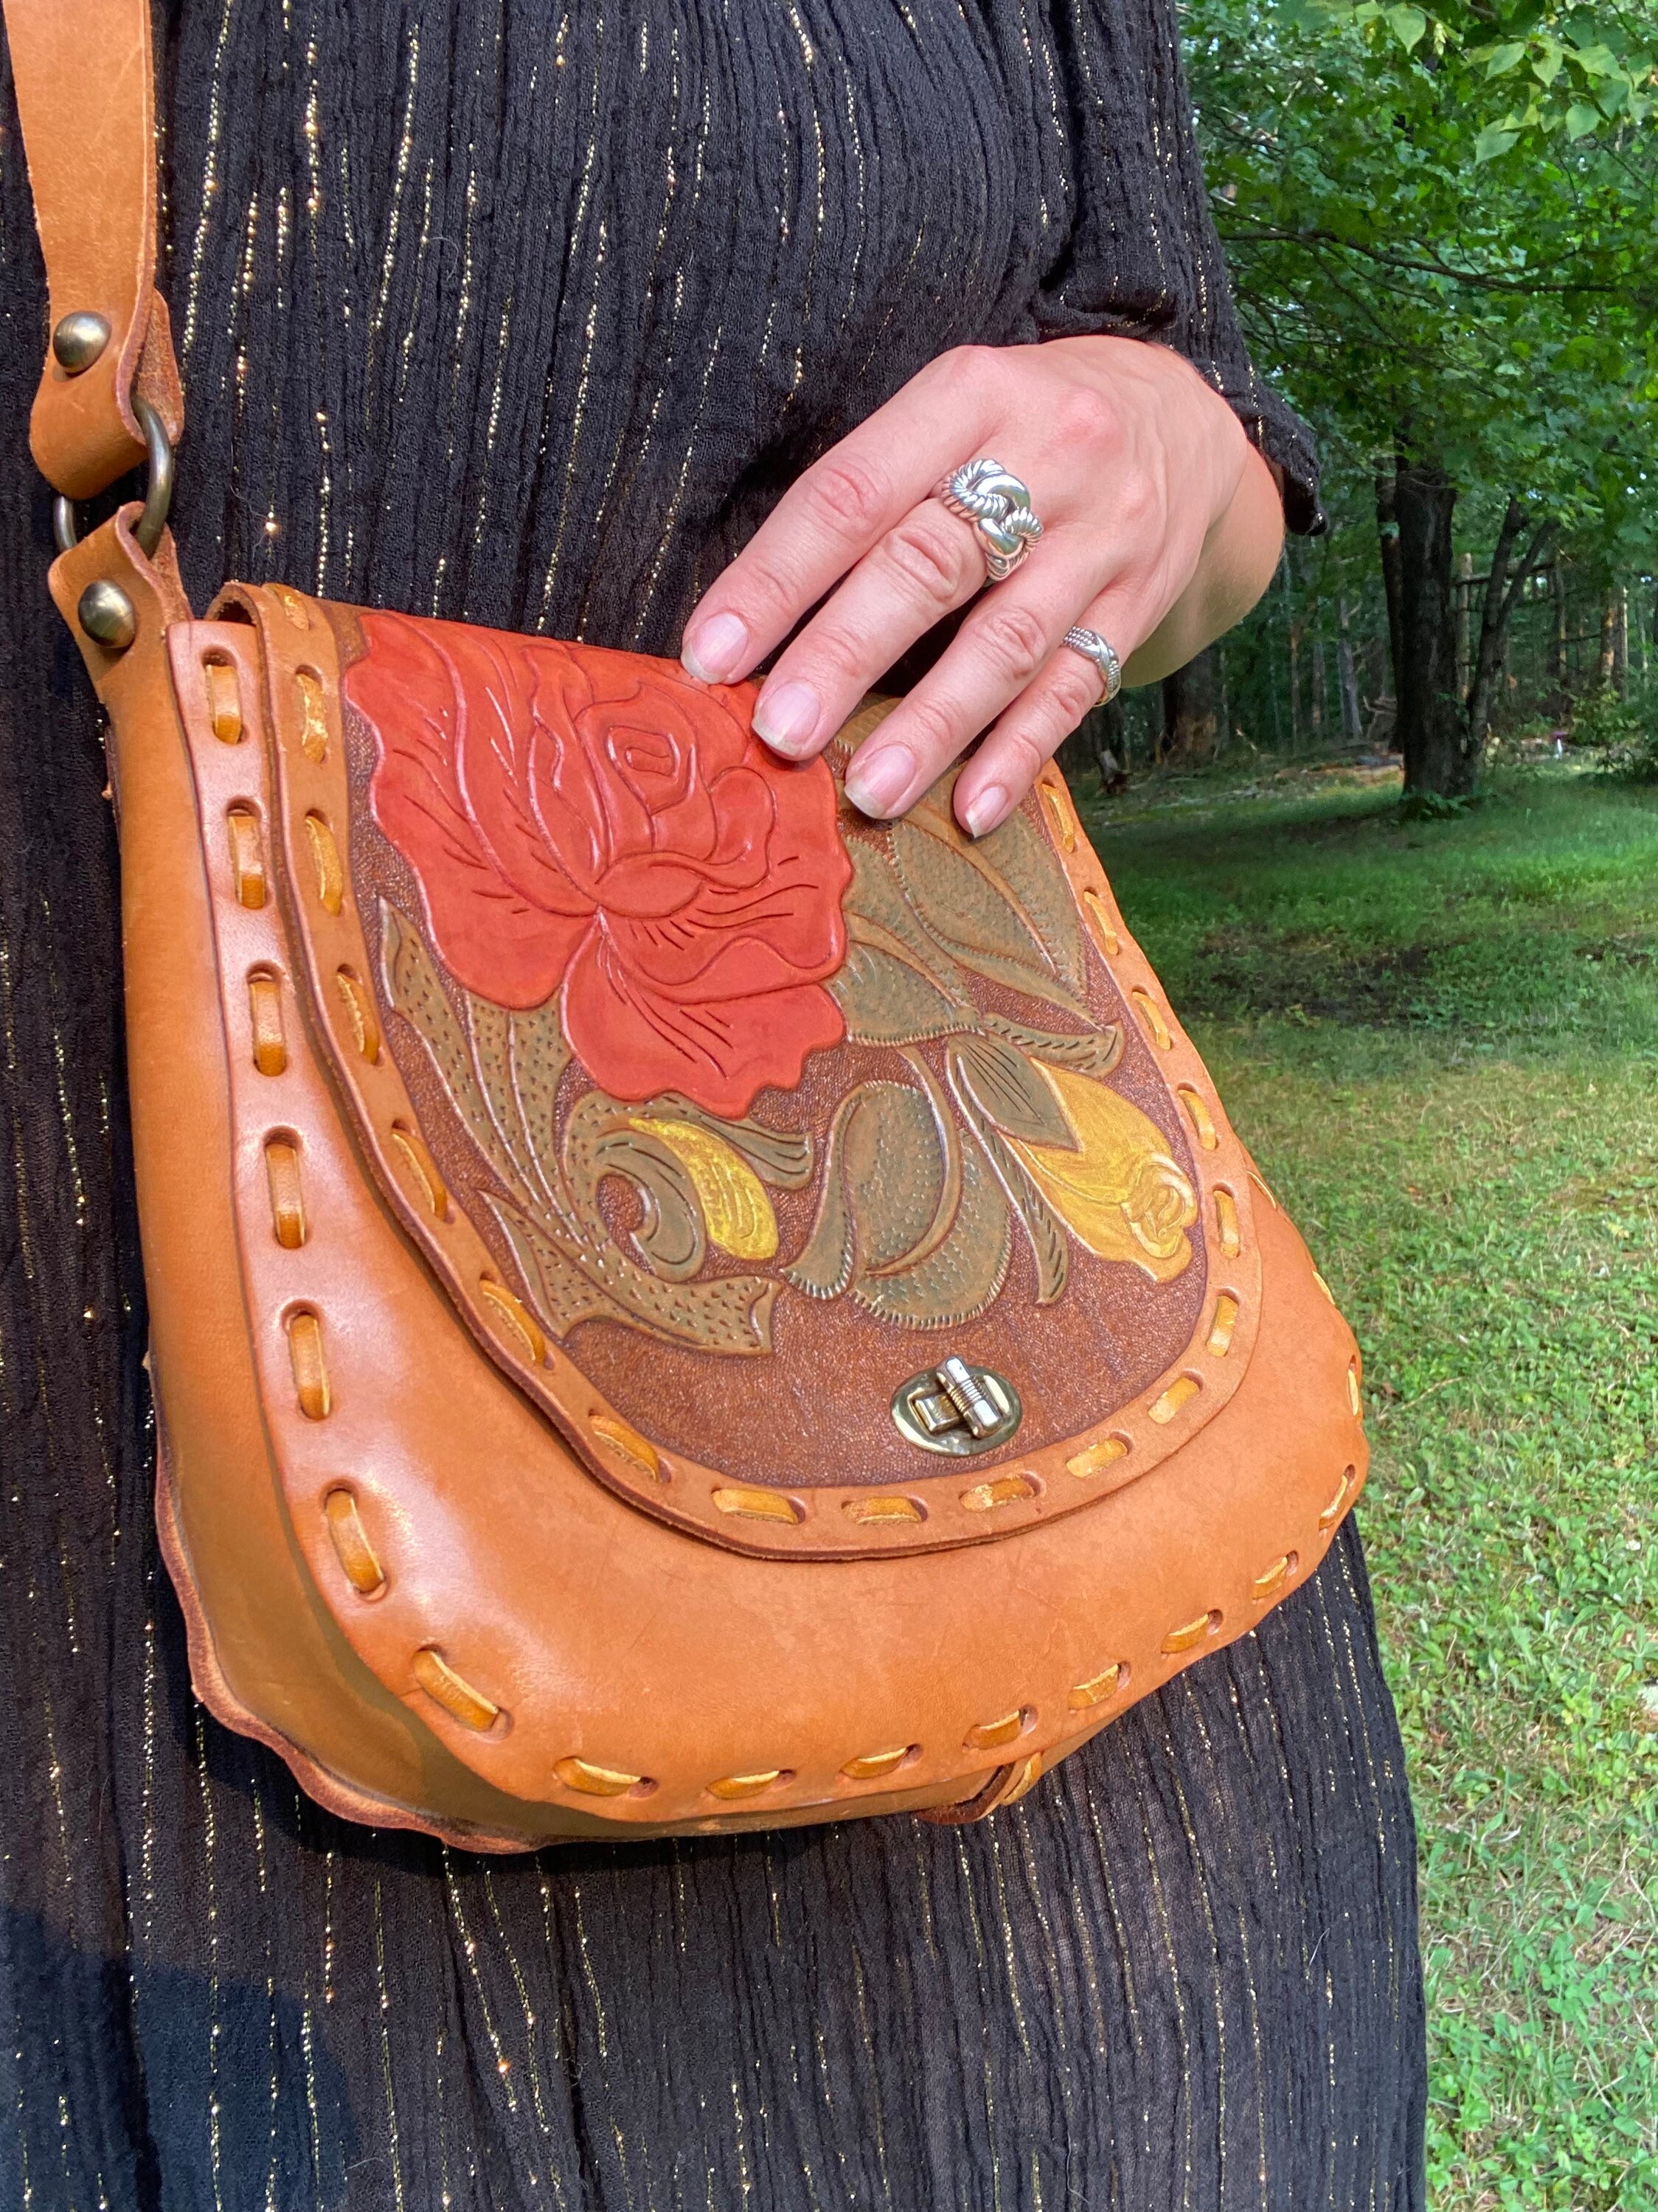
{"points": [[673, 1307]]}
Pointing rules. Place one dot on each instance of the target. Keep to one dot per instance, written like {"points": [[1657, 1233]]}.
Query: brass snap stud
{"points": [[78, 340], [104, 613]]}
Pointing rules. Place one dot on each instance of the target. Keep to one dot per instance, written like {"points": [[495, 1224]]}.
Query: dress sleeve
{"points": [[1143, 260]]}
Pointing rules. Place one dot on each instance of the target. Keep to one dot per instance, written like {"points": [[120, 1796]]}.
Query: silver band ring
{"points": [[1094, 648], [998, 506]]}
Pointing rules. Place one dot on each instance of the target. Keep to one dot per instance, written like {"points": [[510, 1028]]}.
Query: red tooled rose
{"points": [[593, 824]]}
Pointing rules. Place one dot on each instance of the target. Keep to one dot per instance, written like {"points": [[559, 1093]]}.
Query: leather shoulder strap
{"points": [[84, 74]]}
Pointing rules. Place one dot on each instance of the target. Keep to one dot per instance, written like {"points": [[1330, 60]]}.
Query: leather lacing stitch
{"points": [[360, 1562], [1084, 1700]]}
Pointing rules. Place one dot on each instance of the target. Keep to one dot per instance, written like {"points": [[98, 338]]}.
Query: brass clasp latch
{"points": [[956, 1408]]}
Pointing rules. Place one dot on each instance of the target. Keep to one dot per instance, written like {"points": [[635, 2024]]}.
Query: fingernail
{"points": [[787, 718], [716, 649], [876, 781], [985, 810]]}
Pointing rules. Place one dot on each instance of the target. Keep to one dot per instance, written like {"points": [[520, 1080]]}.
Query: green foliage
{"points": [[1442, 1040], [1603, 722], [1620, 732], [1415, 281], [1566, 69], [1443, 225], [1637, 762]]}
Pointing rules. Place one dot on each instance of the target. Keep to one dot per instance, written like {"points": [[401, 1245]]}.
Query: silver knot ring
{"points": [[1094, 648], [998, 506]]}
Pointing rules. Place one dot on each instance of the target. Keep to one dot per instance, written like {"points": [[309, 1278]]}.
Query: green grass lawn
{"points": [[1441, 1039]]}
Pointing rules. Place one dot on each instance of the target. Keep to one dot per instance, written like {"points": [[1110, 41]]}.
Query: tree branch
{"points": [[1528, 567], [1312, 235]]}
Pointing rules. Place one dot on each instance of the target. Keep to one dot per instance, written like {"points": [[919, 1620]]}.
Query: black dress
{"points": [[525, 312]]}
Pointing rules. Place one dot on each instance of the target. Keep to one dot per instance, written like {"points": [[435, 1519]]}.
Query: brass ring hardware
{"points": [[957, 1409], [158, 491], [78, 341]]}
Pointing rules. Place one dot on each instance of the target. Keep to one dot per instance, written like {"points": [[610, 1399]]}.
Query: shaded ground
{"points": [[1442, 1040]]}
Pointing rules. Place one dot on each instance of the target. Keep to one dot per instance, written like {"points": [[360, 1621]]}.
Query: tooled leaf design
{"points": [[878, 1127], [1020, 864], [887, 1002], [782, 1157], [975, 917], [878, 911], [910, 1222], [1012, 1091], [732, 1315], [562, 1294], [1042, 1227], [890, 1164], [894, 1161], [537, 1055], [897, 985], [823, 1267], [730, 1197], [669, 1235], [958, 1279], [415, 991], [947, 1204], [650, 1286], [1093, 1053], [1114, 1183], [490, 1029]]}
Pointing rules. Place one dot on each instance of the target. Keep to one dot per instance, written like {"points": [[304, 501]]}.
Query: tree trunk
{"points": [[1189, 708], [1605, 666], [1098, 742], [1108, 725], [1620, 645], [1432, 730], [1464, 626], [1288, 692], [1352, 720], [1316, 705], [1388, 544], [1292, 611], [1376, 700], [1560, 664], [1503, 586], [1295, 687]]}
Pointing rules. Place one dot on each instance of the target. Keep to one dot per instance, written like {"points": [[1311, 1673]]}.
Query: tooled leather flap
{"points": [[728, 1119]]}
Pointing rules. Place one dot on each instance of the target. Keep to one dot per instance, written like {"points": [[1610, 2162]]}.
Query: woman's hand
{"points": [[1162, 527]]}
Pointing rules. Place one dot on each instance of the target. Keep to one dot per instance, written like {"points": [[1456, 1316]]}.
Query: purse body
{"points": [[674, 1308]]}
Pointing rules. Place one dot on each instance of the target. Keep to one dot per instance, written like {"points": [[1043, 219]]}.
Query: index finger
{"points": [[826, 523]]}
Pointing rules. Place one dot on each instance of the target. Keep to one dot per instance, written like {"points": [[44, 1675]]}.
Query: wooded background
{"points": [[1437, 1021], [1443, 232]]}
